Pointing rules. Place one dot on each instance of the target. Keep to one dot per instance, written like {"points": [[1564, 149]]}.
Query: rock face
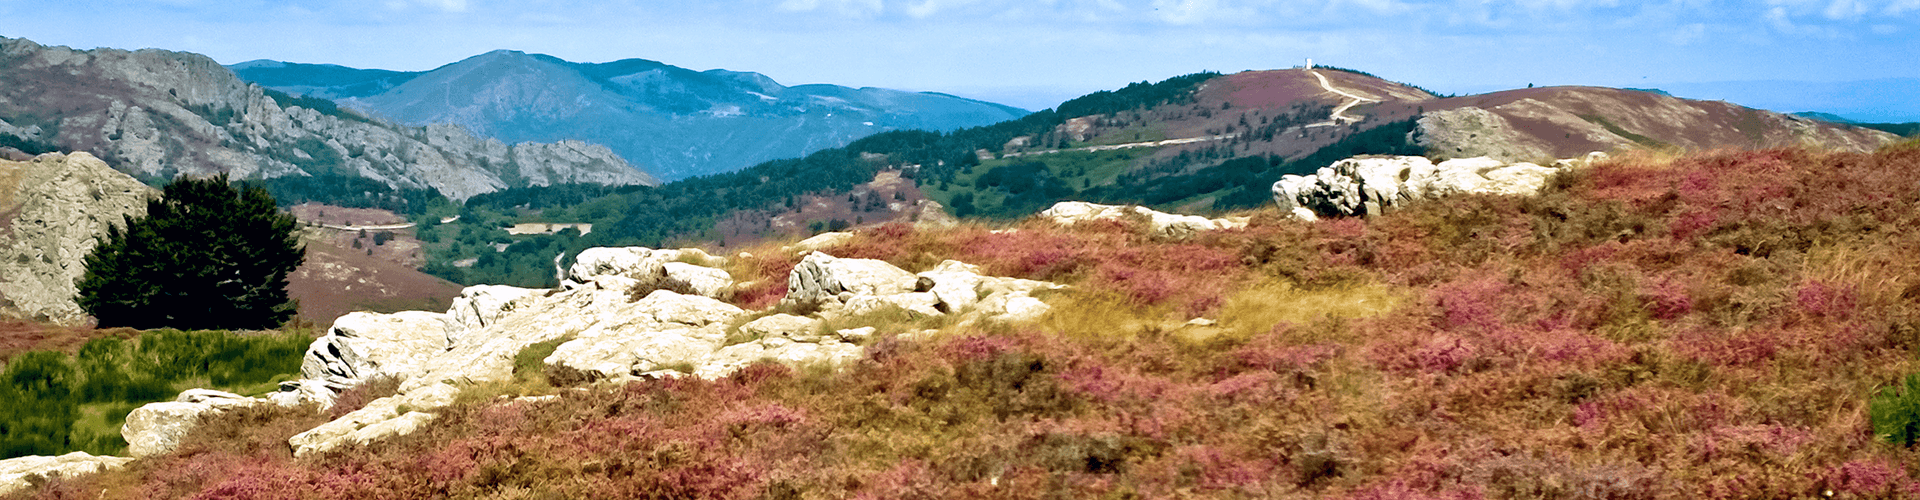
{"points": [[601, 330], [53, 211], [1163, 224], [1372, 185], [153, 113], [16, 473]]}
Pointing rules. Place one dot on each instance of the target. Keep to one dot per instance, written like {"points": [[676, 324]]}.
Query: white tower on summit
{"points": [[1309, 63]]}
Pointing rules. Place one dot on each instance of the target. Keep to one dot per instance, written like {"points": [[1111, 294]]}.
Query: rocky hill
{"points": [[53, 210], [55, 207], [672, 121], [155, 113], [1226, 135]]}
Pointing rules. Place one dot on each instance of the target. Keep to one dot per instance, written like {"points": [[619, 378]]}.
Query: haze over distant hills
{"points": [[1888, 100], [671, 121]]}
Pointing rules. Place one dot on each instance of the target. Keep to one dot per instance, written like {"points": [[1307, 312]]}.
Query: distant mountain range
{"points": [[156, 113], [1886, 100], [671, 121]]}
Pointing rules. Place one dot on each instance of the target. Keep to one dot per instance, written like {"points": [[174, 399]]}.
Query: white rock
{"points": [[857, 334], [920, 304], [957, 285], [17, 473], [1373, 184], [644, 264], [796, 328], [156, 428], [1163, 224], [304, 391], [705, 280], [482, 305], [364, 345], [397, 426], [348, 428], [820, 277], [216, 398], [1022, 308], [819, 241]]}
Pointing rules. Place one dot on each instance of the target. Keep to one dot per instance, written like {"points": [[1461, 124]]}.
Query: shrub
{"points": [[206, 255], [1895, 412]]}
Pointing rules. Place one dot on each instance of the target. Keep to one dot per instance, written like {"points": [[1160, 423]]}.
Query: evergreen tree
{"points": [[206, 256]]}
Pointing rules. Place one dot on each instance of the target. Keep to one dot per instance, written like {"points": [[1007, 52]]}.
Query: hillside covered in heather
{"points": [[1712, 325]]}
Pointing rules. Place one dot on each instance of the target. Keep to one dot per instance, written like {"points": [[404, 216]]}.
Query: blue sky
{"points": [[1033, 53]]}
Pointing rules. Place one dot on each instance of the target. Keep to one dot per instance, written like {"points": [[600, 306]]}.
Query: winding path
{"points": [[379, 227], [1339, 114]]}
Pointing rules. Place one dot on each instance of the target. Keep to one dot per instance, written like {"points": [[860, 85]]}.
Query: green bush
{"points": [[1895, 412], [206, 256]]}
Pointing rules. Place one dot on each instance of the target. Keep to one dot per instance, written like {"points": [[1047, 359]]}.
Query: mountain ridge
{"points": [[155, 114], [674, 121]]}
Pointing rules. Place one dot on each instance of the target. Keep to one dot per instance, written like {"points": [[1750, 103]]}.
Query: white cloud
{"points": [[1686, 35], [846, 7], [447, 5], [1845, 9], [930, 7], [1902, 6]]}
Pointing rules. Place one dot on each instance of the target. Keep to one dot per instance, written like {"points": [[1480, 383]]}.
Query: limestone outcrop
{"points": [[1163, 224], [600, 329], [1372, 185], [53, 210], [362, 345], [17, 473]]}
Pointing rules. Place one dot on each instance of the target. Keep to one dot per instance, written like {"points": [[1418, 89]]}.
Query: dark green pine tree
{"points": [[207, 255]]}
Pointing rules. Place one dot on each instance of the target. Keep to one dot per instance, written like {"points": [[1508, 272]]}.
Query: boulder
{"points": [[919, 304], [818, 242], [664, 329], [706, 281], [860, 334], [1017, 307], [641, 263], [221, 399], [796, 328], [780, 350], [17, 473], [820, 278], [156, 428], [371, 422], [1162, 223], [1371, 185], [481, 305], [955, 284], [305, 391], [363, 345], [397, 426]]}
